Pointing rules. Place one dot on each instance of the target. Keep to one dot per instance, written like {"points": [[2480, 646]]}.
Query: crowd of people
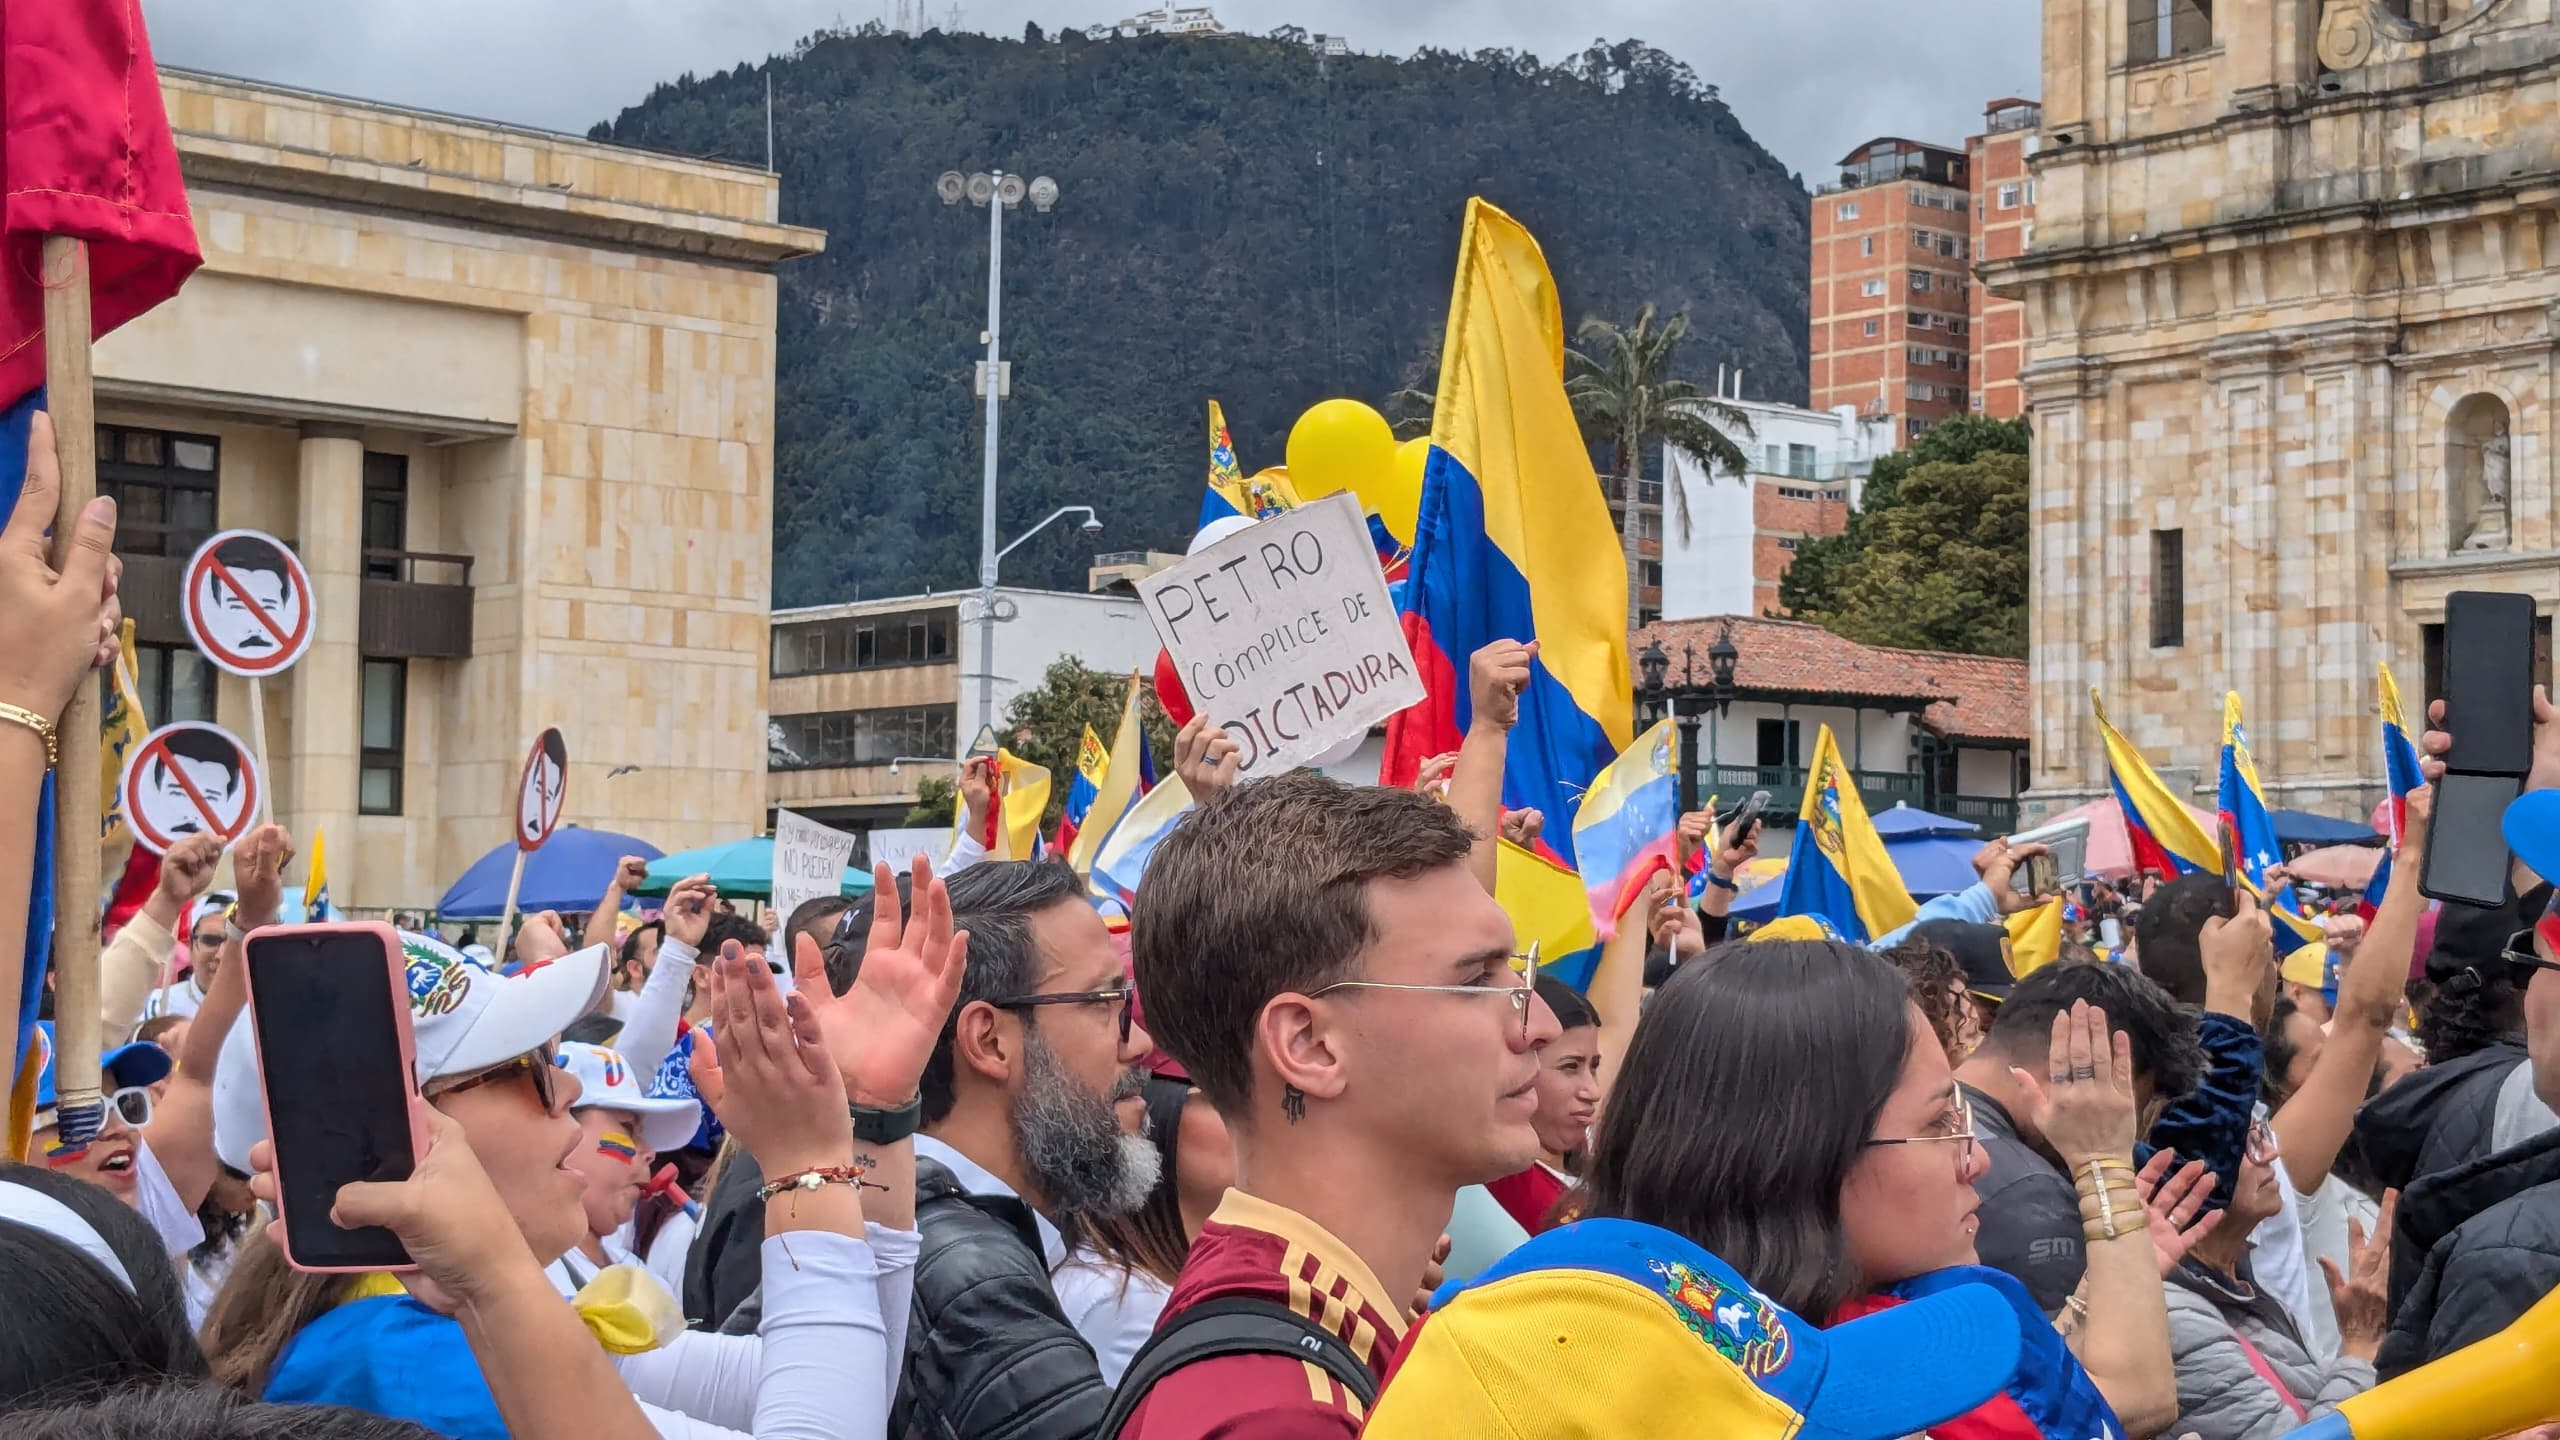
{"points": [[1309, 1147]]}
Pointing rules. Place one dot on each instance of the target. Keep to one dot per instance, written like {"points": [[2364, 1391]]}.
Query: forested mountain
{"points": [[1238, 219]]}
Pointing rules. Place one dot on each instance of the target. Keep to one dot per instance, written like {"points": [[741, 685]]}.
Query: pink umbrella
{"points": [[2340, 867], [2110, 848]]}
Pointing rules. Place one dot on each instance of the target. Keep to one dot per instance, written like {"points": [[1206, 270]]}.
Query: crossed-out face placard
{"points": [[189, 779], [542, 791], [248, 603]]}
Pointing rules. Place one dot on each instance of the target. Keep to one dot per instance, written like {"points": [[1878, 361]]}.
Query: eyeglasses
{"points": [[215, 938], [132, 1105], [543, 1065], [2262, 1148], [1121, 995], [1524, 964], [1960, 1115], [2520, 957]]}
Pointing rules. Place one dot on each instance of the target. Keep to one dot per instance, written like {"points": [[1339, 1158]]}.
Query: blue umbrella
{"points": [[1932, 862], [2301, 827], [569, 872], [1909, 821], [741, 869]]}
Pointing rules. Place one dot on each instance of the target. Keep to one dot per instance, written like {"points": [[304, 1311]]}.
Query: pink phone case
{"points": [[399, 973]]}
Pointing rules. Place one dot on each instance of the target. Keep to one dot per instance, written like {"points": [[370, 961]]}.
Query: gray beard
{"points": [[1071, 1142]]}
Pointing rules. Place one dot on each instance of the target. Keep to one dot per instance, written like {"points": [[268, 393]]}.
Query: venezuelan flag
{"points": [[121, 726], [1547, 906], [1229, 493], [1624, 830], [1838, 869], [315, 886], [1513, 539], [2254, 847], [614, 1145], [2165, 837], [1091, 761], [1121, 863], [1127, 772], [2400, 773]]}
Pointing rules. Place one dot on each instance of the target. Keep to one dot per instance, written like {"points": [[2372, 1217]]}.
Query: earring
{"points": [[1293, 1103]]}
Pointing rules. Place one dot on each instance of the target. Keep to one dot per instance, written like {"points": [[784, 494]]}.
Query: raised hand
{"points": [[186, 871], [2084, 1102], [1997, 863], [2362, 1295], [1737, 851], [259, 869], [780, 1093], [1496, 675], [54, 626], [1205, 756], [978, 792], [1522, 827], [2174, 1205], [688, 910], [1433, 777], [2238, 951], [882, 1031], [540, 940]]}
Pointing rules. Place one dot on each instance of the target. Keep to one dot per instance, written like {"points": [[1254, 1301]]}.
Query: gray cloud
{"points": [[1811, 79]]}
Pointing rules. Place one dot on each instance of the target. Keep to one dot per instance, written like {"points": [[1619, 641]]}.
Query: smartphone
{"points": [[2066, 863], [2488, 708], [330, 1005], [1744, 816]]}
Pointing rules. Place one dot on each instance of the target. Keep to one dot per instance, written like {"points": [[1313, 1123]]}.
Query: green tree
{"points": [[1624, 395], [1047, 724], [936, 795], [1936, 556]]}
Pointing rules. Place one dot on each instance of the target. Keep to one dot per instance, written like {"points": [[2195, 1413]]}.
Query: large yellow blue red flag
{"points": [[2400, 775], [1838, 868], [1623, 831], [1512, 519], [1126, 774], [2251, 827], [1013, 822], [2164, 835], [1546, 905], [1229, 493]]}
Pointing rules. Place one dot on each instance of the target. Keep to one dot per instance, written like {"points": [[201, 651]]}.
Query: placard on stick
{"points": [[248, 603], [808, 861], [542, 790], [189, 779], [1283, 634]]}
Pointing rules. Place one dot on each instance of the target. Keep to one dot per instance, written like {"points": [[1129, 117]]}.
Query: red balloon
{"points": [[1169, 691]]}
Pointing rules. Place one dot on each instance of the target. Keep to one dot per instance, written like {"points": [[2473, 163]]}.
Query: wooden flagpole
{"points": [[76, 825]]}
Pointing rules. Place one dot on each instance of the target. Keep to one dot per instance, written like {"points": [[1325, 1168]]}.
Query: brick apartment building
{"points": [[1900, 329]]}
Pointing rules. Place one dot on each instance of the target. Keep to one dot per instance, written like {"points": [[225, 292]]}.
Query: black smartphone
{"points": [[2488, 709], [1745, 815], [330, 1005]]}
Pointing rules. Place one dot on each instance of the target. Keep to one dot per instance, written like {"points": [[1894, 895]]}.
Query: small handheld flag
{"points": [[2252, 831], [1091, 761], [2400, 775], [1839, 869], [1623, 830]]}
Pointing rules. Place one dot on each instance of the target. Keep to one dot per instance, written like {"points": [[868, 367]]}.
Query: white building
{"points": [[1172, 20], [1808, 471]]}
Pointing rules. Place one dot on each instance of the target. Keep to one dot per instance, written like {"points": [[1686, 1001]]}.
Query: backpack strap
{"points": [[1234, 1325]]}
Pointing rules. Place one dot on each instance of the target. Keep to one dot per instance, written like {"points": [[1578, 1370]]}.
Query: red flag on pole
{"points": [[84, 151]]}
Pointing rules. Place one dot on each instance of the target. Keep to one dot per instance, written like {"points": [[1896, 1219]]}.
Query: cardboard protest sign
{"points": [[895, 847], [1282, 633], [542, 790], [189, 779], [808, 861], [248, 603]]}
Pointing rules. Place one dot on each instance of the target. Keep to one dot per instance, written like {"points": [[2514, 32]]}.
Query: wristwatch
{"points": [[874, 1126]]}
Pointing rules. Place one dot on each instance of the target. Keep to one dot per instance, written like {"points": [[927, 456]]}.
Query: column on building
{"points": [[327, 691]]}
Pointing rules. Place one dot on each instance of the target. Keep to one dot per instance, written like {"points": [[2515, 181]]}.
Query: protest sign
{"points": [[541, 791], [895, 847], [248, 603], [808, 861], [1283, 634], [189, 779]]}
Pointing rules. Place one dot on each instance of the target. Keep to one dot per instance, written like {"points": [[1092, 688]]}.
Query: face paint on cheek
{"points": [[614, 1145]]}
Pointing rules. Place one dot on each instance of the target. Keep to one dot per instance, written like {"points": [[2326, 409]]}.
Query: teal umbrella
{"points": [[740, 869]]}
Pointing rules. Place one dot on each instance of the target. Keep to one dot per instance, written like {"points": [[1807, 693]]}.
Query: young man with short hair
{"points": [[1337, 982]]}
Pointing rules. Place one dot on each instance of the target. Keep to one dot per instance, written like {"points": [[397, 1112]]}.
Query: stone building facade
{"points": [[2293, 308], [510, 396]]}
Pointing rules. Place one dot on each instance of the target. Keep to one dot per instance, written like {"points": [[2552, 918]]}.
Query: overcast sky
{"points": [[1810, 78]]}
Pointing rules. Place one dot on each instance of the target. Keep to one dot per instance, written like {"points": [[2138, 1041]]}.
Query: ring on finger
{"points": [[2084, 1072]]}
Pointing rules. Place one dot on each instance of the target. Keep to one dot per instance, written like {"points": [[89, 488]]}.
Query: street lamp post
{"points": [[998, 192], [1658, 695]]}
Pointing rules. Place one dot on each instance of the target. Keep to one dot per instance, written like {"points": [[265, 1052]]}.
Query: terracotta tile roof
{"points": [[1977, 697]]}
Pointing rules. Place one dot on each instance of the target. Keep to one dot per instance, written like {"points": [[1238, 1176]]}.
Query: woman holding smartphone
{"points": [[836, 1290]]}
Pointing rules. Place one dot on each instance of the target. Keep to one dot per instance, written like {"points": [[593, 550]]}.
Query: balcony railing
{"points": [[1881, 789], [415, 605]]}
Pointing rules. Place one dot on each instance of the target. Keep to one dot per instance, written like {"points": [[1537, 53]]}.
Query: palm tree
{"points": [[1623, 393]]}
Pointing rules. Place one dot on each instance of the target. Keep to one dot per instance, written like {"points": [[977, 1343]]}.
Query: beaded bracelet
{"points": [[812, 1179]]}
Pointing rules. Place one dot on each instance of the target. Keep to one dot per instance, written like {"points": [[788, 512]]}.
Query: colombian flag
{"points": [[1512, 538], [1091, 761], [2400, 773], [1838, 869], [2254, 847], [1548, 908], [2165, 837], [1624, 830], [1126, 773], [1228, 492], [1013, 822]]}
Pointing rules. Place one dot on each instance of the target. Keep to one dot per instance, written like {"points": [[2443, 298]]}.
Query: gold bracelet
{"points": [[2098, 1232], [40, 725]]}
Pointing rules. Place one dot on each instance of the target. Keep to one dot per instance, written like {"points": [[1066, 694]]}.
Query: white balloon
{"points": [[1217, 530]]}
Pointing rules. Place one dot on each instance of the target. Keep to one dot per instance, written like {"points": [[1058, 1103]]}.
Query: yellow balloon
{"points": [[1399, 502], [1340, 445]]}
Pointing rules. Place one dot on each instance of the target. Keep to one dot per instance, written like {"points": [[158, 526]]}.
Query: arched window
{"points": [[2477, 472]]}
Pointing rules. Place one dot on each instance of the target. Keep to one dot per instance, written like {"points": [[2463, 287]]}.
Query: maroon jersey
{"points": [[1253, 1247]]}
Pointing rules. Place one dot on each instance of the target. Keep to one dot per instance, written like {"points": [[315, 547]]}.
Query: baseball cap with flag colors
{"points": [[606, 1081], [1611, 1327]]}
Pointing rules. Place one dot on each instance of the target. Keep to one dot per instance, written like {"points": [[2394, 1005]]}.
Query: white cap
{"points": [[463, 1017], [606, 1081]]}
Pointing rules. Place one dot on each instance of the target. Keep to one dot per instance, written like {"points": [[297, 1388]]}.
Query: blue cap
{"points": [[2532, 828], [140, 1063]]}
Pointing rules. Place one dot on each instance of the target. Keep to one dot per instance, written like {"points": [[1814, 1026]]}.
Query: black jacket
{"points": [[726, 1264], [2486, 1238], [990, 1356], [2437, 1118]]}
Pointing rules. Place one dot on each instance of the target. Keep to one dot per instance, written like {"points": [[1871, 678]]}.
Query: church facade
{"points": [[2293, 308]]}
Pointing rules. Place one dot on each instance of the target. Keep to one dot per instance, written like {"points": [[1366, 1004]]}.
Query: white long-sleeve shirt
{"points": [[966, 850], [649, 1017]]}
